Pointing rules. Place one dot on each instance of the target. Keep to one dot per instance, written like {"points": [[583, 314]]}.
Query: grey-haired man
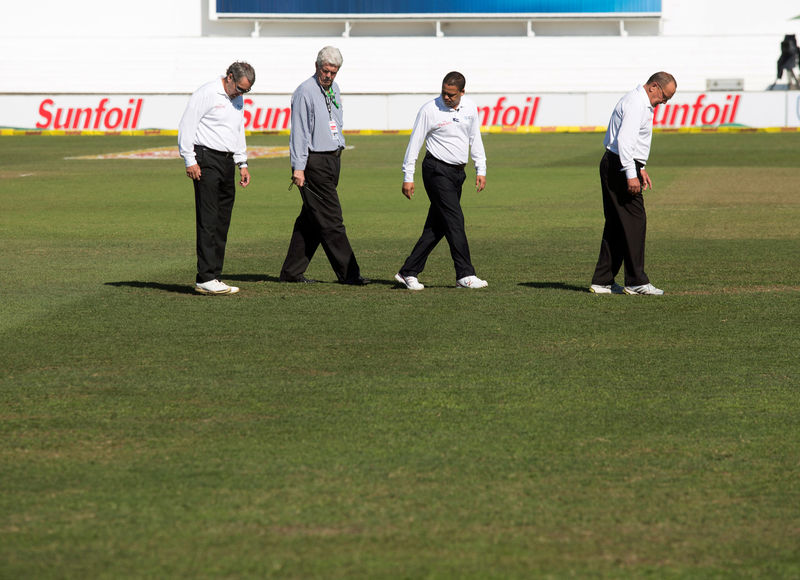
{"points": [[316, 143]]}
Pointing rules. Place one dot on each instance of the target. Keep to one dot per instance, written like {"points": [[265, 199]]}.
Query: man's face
{"points": [[659, 95], [234, 88], [451, 95], [325, 75]]}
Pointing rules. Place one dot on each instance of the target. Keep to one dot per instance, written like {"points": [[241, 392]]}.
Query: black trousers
{"points": [[320, 222], [625, 226], [443, 184], [214, 195]]}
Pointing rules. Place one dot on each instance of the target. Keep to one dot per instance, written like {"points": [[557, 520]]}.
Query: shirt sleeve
{"points": [[300, 135], [418, 134], [240, 153], [187, 128], [627, 136], [476, 147]]}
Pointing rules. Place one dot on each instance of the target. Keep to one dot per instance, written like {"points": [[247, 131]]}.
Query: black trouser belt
{"points": [[226, 154], [335, 152], [613, 155], [432, 158]]}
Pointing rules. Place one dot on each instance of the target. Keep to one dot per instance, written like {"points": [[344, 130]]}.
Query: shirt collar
{"points": [[641, 90], [440, 104]]}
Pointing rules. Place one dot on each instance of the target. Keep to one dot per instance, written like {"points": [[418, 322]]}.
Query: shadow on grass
{"points": [[555, 286], [177, 288], [250, 278], [267, 278], [189, 288]]}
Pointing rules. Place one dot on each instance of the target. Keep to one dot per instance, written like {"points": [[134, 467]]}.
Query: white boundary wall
{"points": [[152, 46], [53, 48]]}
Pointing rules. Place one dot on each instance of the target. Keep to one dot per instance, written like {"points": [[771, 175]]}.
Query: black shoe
{"points": [[360, 281], [302, 280]]}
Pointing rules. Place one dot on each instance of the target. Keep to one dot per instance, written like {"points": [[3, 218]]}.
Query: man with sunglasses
{"points": [[624, 179], [211, 141], [316, 143]]}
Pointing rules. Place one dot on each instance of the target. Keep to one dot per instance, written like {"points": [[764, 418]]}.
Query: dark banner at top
{"points": [[267, 8]]}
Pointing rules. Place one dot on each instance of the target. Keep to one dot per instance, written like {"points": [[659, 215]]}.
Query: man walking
{"points": [[450, 128], [212, 143], [623, 179], [316, 143]]}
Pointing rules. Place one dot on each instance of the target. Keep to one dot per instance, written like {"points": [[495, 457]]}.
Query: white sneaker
{"points": [[409, 282], [215, 287], [471, 282], [648, 289], [606, 288]]}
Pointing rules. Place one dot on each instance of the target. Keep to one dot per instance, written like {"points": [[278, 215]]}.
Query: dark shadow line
{"points": [[176, 288], [250, 278], [268, 278], [554, 286]]}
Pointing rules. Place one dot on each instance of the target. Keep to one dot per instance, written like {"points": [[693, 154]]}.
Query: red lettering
{"points": [[287, 113], [698, 113], [732, 118], [675, 109], [704, 117], [658, 108], [696, 109], [247, 103], [510, 116], [260, 118], [113, 125], [485, 112], [497, 108], [136, 113], [514, 110], [99, 112], [46, 115], [58, 124], [78, 113], [126, 124], [267, 117], [128, 111], [532, 118]]}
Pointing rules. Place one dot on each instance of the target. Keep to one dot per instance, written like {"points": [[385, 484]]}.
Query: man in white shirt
{"points": [[623, 179], [212, 143], [450, 127]]}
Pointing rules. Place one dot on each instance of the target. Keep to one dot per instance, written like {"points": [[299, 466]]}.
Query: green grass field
{"points": [[528, 430]]}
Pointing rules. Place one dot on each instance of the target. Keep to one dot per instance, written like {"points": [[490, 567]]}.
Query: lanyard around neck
{"points": [[330, 97]]}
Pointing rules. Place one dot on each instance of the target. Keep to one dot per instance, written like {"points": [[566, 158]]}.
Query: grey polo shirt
{"points": [[312, 122]]}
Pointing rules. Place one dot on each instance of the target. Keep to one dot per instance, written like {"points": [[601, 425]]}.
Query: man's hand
{"points": [[408, 189], [244, 176], [634, 186], [299, 177], [646, 182], [193, 172], [480, 182]]}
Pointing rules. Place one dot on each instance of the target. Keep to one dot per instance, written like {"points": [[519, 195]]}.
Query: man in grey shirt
{"points": [[315, 146]]}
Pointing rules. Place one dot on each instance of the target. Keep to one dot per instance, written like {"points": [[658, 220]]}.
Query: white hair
{"points": [[329, 55]]}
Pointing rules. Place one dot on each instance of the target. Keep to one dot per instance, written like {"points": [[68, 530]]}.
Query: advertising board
{"points": [[523, 112], [266, 9]]}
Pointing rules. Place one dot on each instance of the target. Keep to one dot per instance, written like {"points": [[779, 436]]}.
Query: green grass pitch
{"points": [[528, 430]]}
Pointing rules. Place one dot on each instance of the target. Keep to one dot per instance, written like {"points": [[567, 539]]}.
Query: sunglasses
{"points": [[239, 89]]}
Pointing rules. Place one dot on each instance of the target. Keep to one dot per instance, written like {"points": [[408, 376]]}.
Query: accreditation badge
{"points": [[334, 129]]}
